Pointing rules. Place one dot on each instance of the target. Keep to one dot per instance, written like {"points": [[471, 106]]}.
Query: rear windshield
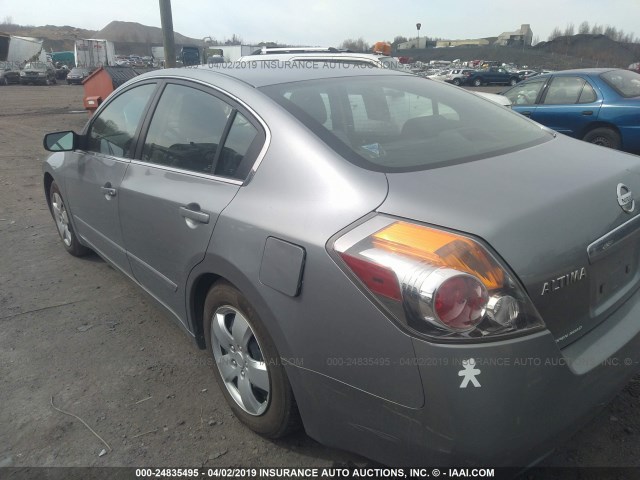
{"points": [[625, 82], [404, 123]]}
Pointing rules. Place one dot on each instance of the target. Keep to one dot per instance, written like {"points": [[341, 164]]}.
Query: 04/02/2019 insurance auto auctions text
{"points": [[318, 472]]}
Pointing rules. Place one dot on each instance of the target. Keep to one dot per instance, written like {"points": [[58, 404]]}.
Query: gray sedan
{"points": [[406, 270]]}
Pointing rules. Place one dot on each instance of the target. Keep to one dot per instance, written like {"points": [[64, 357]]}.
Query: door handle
{"points": [[196, 215], [108, 191], [587, 112], [526, 114]]}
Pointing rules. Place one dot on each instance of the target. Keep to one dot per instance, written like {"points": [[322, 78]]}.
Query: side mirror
{"points": [[60, 141]]}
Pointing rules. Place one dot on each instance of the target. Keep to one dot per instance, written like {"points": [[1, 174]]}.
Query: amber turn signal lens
{"points": [[441, 248]]}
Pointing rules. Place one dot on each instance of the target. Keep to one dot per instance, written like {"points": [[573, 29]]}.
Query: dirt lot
{"points": [[78, 331]]}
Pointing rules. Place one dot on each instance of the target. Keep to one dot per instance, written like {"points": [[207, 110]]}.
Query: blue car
{"points": [[597, 105]]}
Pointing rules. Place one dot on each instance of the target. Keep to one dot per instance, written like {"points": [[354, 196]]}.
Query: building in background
{"points": [[521, 37]]}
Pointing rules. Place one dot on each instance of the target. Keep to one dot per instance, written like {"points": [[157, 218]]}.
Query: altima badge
{"points": [[625, 198], [564, 280]]}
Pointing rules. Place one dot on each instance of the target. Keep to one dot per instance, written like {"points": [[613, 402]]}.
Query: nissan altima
{"points": [[405, 270]]}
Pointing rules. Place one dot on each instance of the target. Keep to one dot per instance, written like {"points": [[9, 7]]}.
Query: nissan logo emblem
{"points": [[625, 198]]}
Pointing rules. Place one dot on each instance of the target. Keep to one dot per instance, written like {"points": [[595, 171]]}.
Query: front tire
{"points": [[477, 82], [61, 216], [247, 367], [513, 82], [605, 137], [456, 82]]}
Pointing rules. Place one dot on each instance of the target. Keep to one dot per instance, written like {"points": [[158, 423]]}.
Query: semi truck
{"points": [[17, 50], [93, 53]]}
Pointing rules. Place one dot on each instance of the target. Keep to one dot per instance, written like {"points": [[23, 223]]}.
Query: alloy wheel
{"points": [[239, 360], [61, 217]]}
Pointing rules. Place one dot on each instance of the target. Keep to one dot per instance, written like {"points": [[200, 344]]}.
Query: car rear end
{"points": [[508, 255]]}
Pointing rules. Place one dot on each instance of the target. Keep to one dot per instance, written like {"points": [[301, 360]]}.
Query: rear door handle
{"points": [[587, 112], [108, 191], [526, 114], [195, 215]]}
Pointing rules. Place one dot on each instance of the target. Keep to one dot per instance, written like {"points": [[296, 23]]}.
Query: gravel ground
{"points": [[78, 332]]}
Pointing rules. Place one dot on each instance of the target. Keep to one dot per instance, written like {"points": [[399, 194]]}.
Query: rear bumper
{"points": [[531, 397]]}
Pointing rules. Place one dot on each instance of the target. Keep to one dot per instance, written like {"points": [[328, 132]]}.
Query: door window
{"points": [[564, 91], [113, 131], [241, 143], [186, 129], [588, 94], [525, 93]]}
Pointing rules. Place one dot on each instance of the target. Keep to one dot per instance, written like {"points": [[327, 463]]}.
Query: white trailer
{"points": [[94, 53], [158, 54], [231, 53], [17, 50]]}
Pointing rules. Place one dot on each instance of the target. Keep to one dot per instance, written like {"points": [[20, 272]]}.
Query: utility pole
{"points": [[167, 34]]}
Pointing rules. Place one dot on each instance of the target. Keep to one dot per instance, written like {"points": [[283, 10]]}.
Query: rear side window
{"points": [[113, 130], [396, 123], [588, 94], [564, 90], [242, 142], [196, 131]]}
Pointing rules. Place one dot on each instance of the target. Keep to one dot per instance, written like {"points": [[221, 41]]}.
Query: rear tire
{"points": [[605, 137], [456, 82], [247, 366], [61, 215], [513, 82]]}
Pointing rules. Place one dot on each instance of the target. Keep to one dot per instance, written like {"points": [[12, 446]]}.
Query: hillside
{"points": [[131, 32], [595, 48], [577, 51], [128, 37]]}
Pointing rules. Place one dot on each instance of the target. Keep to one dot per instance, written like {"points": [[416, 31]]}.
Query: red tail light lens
{"points": [[460, 302], [437, 282], [377, 278]]}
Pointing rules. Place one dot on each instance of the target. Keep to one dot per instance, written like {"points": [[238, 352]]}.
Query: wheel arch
{"points": [[213, 269], [599, 124], [47, 181]]}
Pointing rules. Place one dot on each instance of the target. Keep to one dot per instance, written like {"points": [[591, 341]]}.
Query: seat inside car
{"points": [[312, 103]]}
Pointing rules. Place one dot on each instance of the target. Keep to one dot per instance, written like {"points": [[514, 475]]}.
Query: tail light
{"points": [[439, 283]]}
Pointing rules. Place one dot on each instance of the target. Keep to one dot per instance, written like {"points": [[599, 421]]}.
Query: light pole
{"points": [[418, 25]]}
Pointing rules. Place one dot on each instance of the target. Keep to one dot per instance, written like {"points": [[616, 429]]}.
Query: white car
{"points": [[458, 76], [321, 54]]}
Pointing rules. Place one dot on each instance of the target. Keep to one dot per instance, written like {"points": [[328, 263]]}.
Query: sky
{"points": [[329, 22]]}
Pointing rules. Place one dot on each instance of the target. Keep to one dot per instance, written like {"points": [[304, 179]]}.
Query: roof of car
{"points": [[584, 71], [262, 74]]}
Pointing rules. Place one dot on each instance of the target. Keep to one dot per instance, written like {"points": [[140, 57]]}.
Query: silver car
{"points": [[408, 271]]}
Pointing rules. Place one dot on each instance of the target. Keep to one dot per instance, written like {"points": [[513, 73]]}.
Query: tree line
{"points": [[613, 33]]}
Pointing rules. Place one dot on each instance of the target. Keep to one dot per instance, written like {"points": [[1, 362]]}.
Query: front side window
{"points": [[186, 129], [396, 123], [525, 93], [113, 130]]}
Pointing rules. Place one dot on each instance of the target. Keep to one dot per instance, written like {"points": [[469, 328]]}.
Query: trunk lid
{"points": [[552, 213]]}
